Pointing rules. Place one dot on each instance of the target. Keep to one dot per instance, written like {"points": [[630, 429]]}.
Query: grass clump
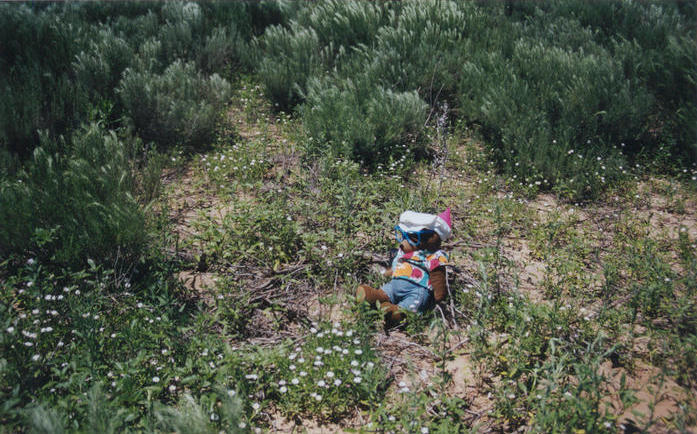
{"points": [[73, 200], [372, 125], [567, 112], [179, 107]]}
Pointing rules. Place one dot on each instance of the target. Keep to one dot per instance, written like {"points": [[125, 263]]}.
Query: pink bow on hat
{"points": [[444, 225]]}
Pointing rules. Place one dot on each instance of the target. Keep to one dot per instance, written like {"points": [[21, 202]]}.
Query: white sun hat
{"points": [[412, 221]]}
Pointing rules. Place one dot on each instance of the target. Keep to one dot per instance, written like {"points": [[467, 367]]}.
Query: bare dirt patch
{"points": [[657, 397]]}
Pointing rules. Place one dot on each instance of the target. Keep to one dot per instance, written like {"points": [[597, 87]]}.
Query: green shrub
{"points": [[343, 23], [38, 86], [72, 201], [556, 117], [178, 107], [223, 49], [363, 122], [290, 58], [99, 68], [421, 49]]}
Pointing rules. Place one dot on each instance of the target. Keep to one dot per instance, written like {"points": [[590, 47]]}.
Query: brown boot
{"points": [[370, 294], [393, 316]]}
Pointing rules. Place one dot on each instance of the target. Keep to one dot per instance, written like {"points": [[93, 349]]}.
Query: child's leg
{"points": [[370, 294], [417, 300]]}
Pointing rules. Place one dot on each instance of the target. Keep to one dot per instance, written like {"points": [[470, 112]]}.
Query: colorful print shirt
{"points": [[417, 266]]}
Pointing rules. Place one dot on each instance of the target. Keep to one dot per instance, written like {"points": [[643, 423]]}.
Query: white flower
{"points": [[35, 357], [256, 406], [402, 384], [354, 362], [283, 389], [291, 367], [424, 430], [330, 374], [511, 396], [321, 383], [156, 379], [337, 382], [251, 376], [292, 356], [302, 373], [295, 381], [319, 350], [214, 417], [370, 365], [357, 380], [318, 397], [172, 388], [10, 329]]}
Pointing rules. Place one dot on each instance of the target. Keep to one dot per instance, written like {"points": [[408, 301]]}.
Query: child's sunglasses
{"points": [[413, 238]]}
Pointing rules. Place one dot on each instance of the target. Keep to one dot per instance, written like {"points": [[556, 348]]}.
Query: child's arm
{"points": [[438, 284], [387, 272]]}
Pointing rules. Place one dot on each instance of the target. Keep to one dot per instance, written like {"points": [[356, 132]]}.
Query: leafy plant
{"points": [[179, 107]]}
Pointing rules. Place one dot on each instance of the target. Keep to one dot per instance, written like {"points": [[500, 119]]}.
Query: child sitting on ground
{"points": [[418, 270]]}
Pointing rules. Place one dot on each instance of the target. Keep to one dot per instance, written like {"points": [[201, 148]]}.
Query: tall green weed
{"points": [[178, 107], [365, 123], [36, 79], [72, 201]]}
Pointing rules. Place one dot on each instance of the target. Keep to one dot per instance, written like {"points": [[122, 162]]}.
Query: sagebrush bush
{"points": [[99, 68], [179, 107], [421, 48], [363, 122], [73, 200], [343, 24], [556, 116], [36, 79], [539, 80], [291, 58]]}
